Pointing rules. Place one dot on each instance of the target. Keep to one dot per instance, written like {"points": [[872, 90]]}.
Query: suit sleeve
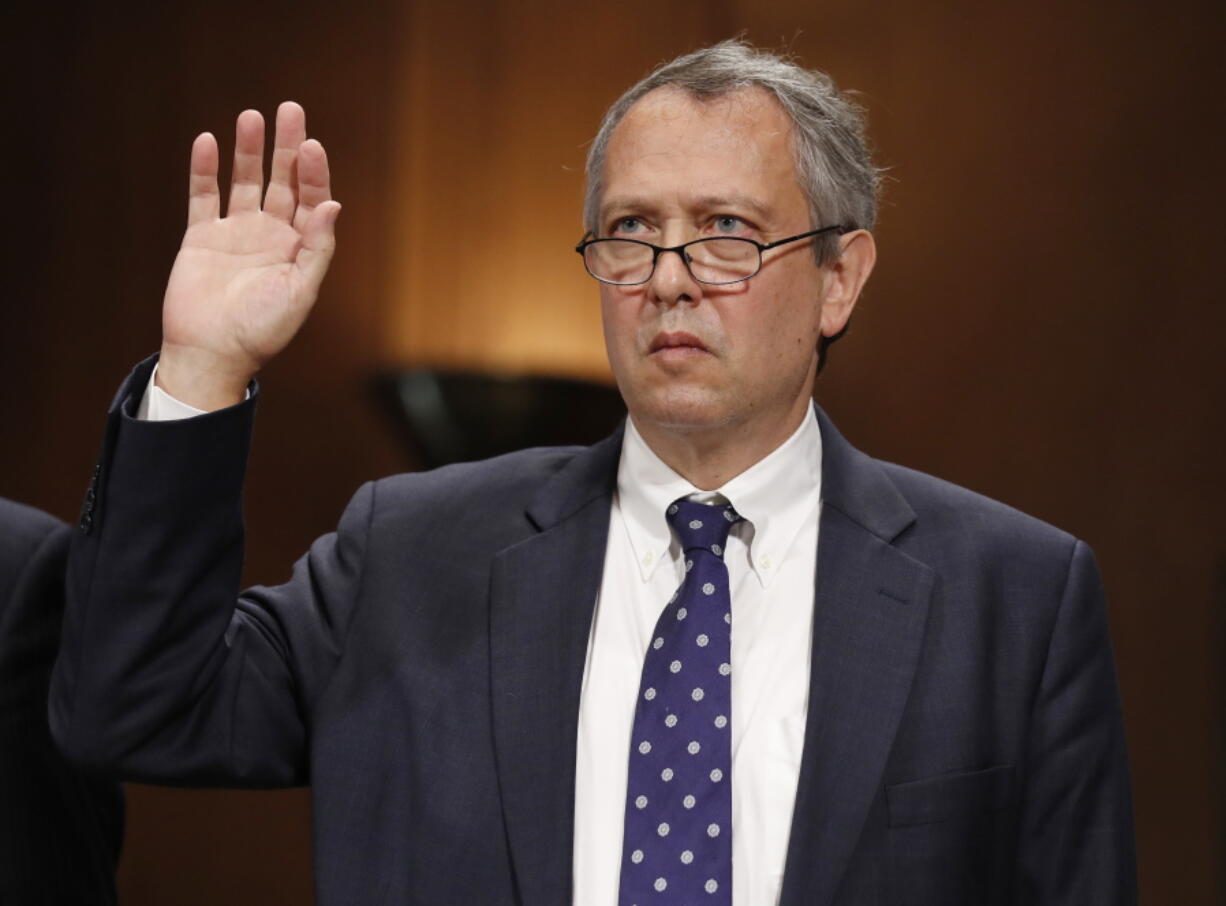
{"points": [[1076, 842], [166, 672]]}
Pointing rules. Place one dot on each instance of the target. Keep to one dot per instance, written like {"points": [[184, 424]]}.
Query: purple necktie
{"points": [[678, 838]]}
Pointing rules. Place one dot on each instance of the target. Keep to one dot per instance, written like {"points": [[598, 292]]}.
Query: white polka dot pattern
{"points": [[676, 803]]}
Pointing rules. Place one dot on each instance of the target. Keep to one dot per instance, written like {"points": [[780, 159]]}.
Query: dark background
{"points": [[1044, 325]]}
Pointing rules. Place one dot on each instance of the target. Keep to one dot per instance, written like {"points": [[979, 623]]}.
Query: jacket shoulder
{"points": [[465, 506], [490, 483], [960, 521]]}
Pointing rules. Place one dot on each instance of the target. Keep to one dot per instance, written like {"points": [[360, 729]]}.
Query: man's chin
{"points": [[680, 410]]}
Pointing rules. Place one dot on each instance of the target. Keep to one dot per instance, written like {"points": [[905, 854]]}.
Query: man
{"points": [[60, 830], [517, 681]]}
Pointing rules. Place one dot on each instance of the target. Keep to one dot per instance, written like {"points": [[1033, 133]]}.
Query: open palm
{"points": [[244, 283]]}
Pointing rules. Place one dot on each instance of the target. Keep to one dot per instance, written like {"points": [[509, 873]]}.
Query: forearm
{"points": [[146, 677]]}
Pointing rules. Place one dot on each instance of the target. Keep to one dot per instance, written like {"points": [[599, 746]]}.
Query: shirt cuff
{"points": [[159, 406]]}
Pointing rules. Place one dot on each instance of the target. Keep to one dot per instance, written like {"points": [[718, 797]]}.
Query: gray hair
{"points": [[833, 162]]}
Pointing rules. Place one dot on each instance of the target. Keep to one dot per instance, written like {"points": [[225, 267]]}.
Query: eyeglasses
{"points": [[715, 260]]}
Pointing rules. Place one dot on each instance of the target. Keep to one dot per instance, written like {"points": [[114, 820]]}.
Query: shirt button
{"points": [[647, 558], [766, 561]]}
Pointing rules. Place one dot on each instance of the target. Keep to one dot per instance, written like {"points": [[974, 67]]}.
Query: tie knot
{"points": [[701, 526]]}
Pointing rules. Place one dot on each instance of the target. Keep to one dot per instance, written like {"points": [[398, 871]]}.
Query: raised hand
{"points": [[244, 283]]}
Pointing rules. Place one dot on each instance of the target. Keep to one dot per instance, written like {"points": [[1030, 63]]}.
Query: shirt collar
{"points": [[775, 495]]}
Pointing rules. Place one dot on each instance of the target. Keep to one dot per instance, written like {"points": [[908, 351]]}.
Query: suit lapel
{"points": [[870, 609], [542, 595]]}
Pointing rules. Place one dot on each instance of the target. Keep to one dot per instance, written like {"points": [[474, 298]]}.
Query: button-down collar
{"points": [[774, 495]]}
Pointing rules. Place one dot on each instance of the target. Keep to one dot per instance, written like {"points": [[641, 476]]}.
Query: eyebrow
{"points": [[627, 203], [737, 202]]}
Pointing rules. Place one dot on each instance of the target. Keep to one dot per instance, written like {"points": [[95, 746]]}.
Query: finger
{"points": [[318, 242], [247, 179], [282, 195], [314, 182], [203, 197]]}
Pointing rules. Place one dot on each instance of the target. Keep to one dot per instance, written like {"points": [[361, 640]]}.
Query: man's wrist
{"points": [[198, 381], [157, 405]]}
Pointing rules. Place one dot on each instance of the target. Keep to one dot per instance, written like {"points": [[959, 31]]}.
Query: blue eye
{"points": [[726, 223], [627, 225]]}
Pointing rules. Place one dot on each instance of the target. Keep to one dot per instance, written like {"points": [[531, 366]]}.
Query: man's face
{"points": [[688, 356]]}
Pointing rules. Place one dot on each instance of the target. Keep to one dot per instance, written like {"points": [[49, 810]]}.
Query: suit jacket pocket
{"points": [[951, 795]]}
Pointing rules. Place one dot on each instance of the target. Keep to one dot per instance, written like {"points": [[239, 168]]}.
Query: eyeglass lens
{"points": [[710, 260]]}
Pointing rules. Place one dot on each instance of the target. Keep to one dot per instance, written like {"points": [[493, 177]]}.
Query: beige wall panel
{"points": [[496, 113]]}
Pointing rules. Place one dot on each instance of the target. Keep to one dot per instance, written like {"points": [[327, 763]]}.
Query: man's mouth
{"points": [[676, 343]]}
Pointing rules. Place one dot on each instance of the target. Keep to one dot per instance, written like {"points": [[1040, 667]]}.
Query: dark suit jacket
{"points": [[60, 830], [421, 670]]}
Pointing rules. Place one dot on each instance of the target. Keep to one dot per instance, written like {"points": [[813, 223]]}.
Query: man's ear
{"points": [[846, 276]]}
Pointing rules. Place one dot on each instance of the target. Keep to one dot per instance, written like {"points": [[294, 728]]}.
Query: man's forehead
{"points": [[671, 138], [747, 107]]}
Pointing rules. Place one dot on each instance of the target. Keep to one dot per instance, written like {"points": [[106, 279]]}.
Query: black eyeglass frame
{"points": [[588, 239]]}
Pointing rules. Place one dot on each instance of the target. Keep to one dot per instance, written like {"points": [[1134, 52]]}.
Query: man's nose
{"points": [[672, 283]]}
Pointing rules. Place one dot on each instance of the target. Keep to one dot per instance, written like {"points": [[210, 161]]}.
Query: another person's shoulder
{"points": [[25, 524], [23, 531]]}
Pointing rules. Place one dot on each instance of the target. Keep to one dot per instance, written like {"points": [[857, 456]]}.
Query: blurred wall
{"points": [[1044, 325]]}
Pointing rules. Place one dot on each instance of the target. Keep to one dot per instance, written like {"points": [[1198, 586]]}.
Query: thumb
{"points": [[318, 242]]}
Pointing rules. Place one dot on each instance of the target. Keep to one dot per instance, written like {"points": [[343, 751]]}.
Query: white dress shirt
{"points": [[159, 406], [772, 559]]}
